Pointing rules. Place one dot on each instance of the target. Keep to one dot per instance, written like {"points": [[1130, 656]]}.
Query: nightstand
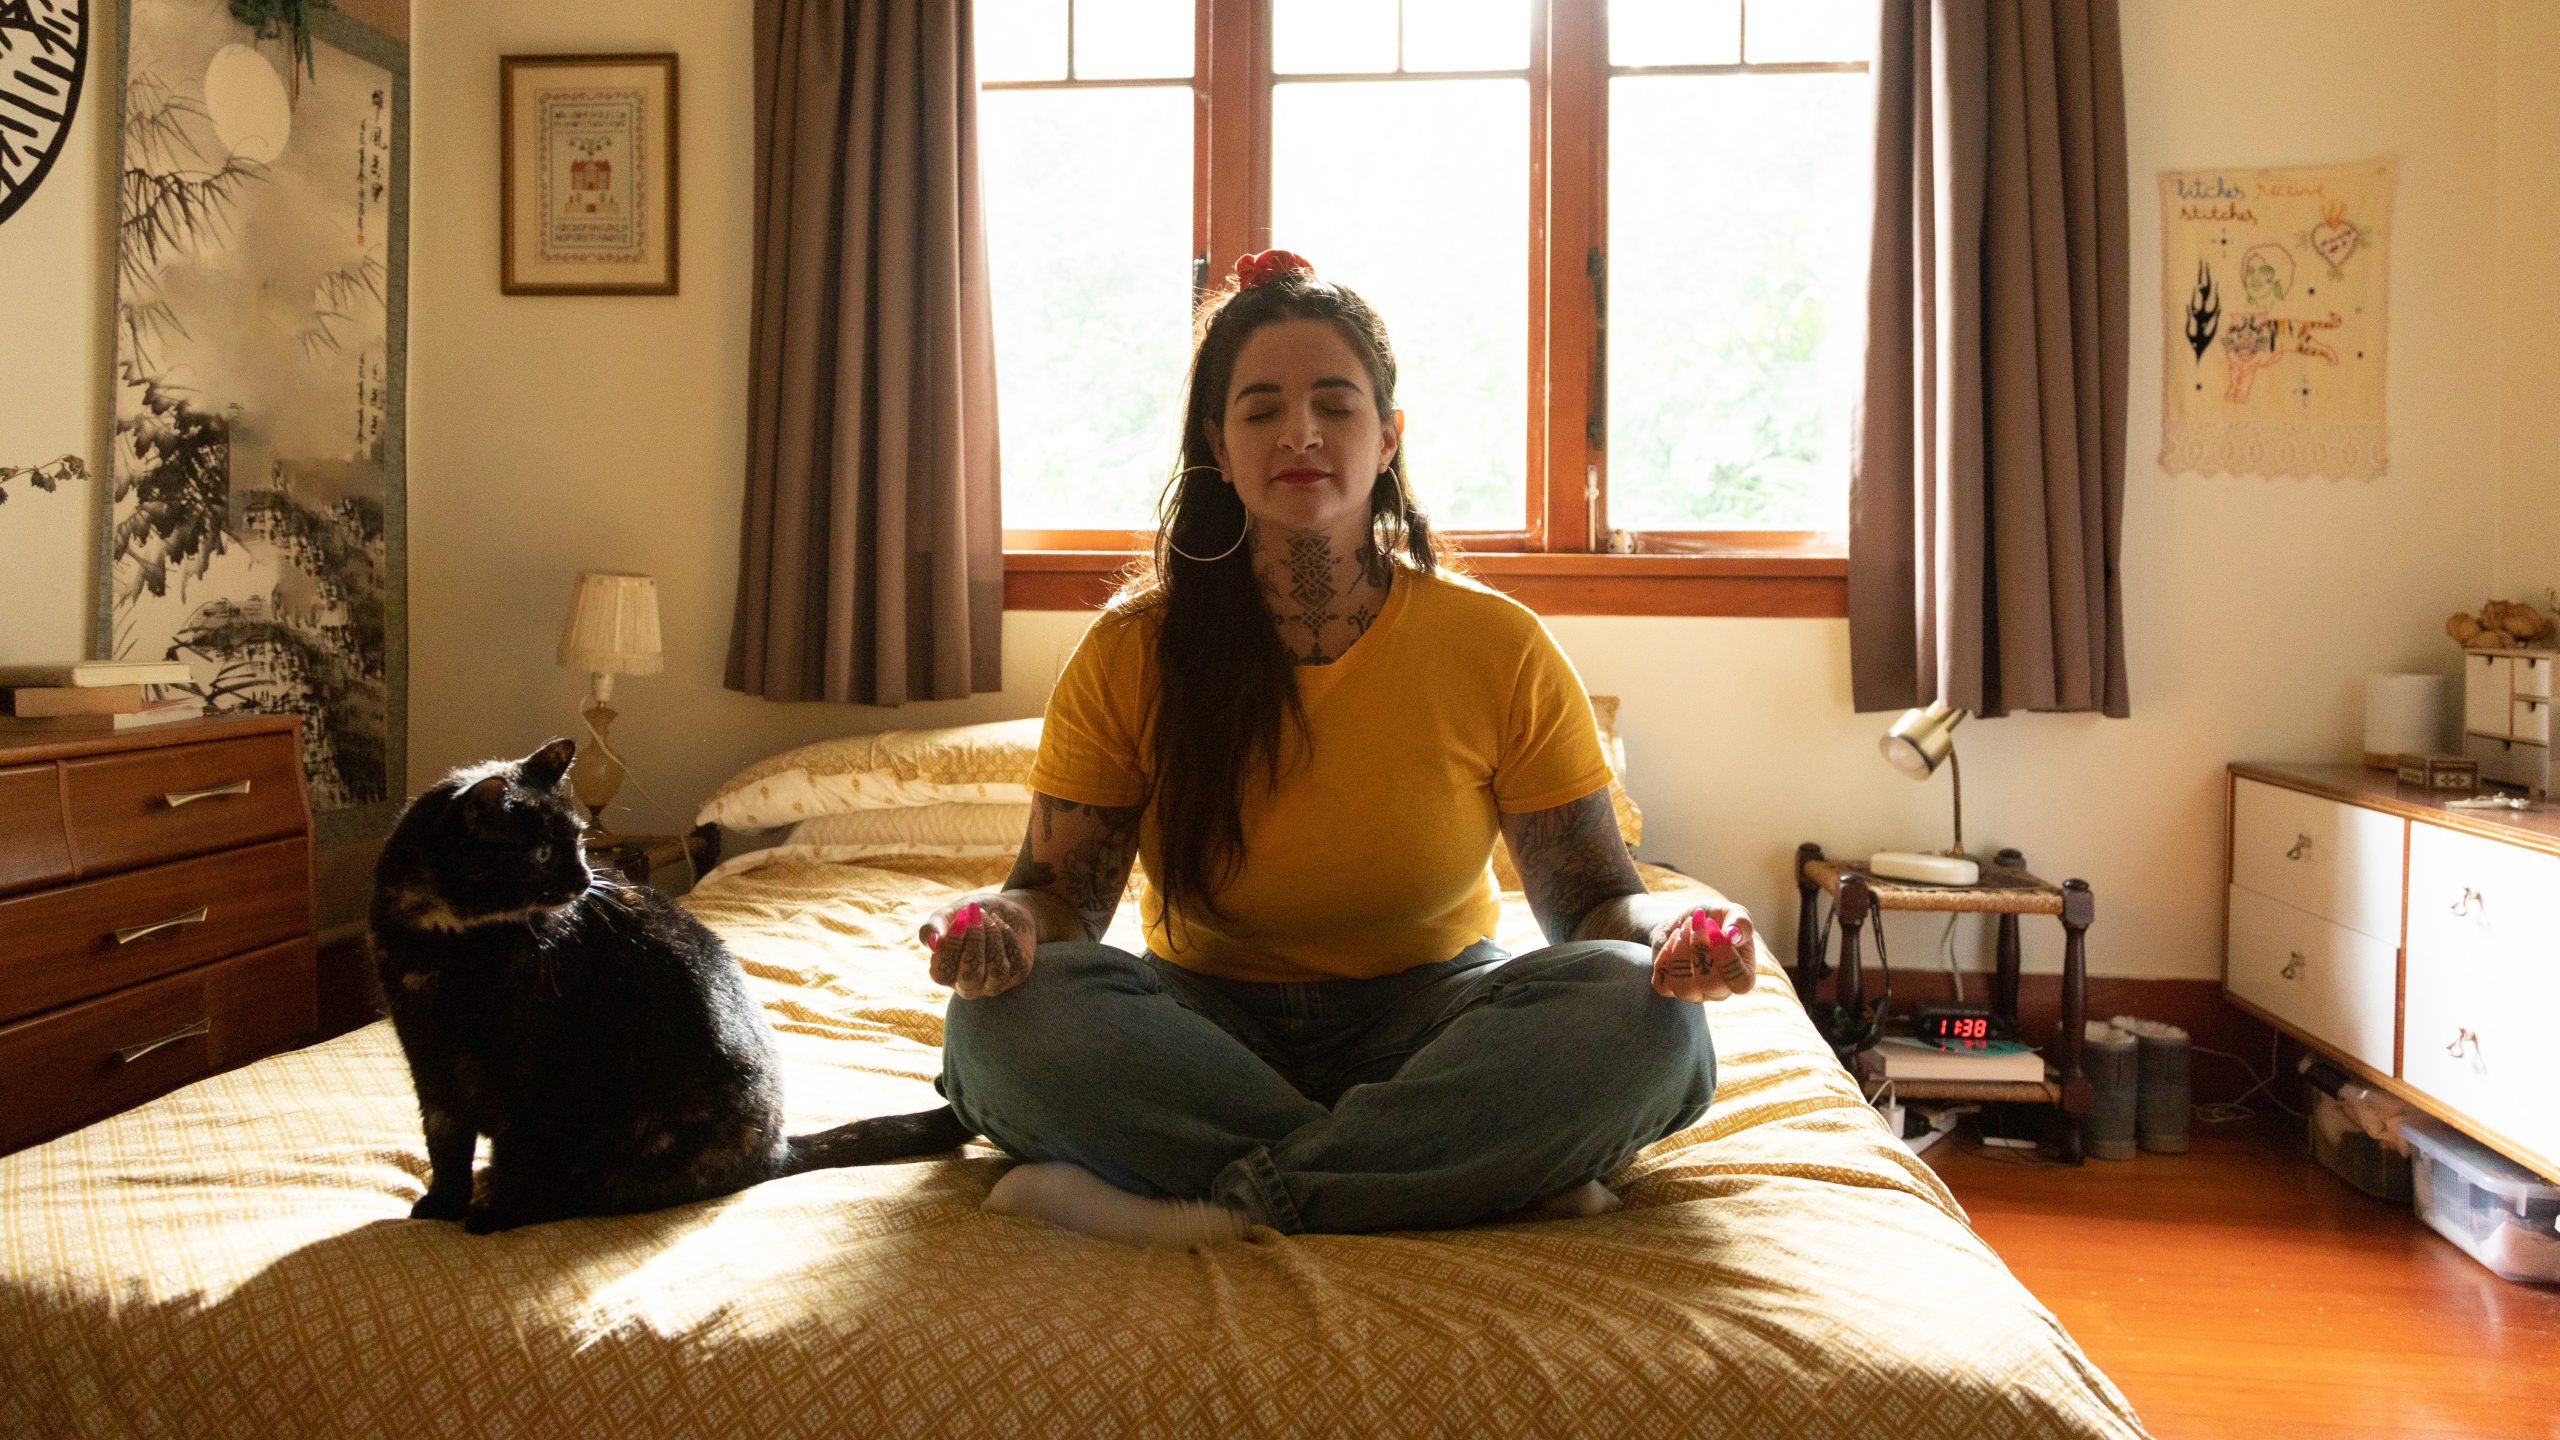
{"points": [[657, 861], [2007, 891], [155, 914]]}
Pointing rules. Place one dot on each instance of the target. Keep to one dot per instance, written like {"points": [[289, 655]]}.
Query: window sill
{"points": [[1790, 585]]}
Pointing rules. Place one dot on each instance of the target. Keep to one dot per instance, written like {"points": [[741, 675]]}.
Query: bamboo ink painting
{"points": [[254, 527], [2275, 290]]}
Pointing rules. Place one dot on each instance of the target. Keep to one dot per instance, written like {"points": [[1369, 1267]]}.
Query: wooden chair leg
{"points": [[2079, 907], [1808, 924]]}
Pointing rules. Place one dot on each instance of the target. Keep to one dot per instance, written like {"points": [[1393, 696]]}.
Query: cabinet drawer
{"points": [[57, 946], [2532, 675], [2488, 689], [73, 1066], [2532, 720], [32, 846], [2339, 862], [2482, 955], [2337, 985], [148, 805]]}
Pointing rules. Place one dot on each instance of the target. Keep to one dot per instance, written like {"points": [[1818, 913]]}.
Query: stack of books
{"points": [[92, 696], [1901, 1058]]}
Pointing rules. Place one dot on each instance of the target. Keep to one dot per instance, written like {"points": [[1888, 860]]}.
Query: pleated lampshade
{"points": [[613, 625]]}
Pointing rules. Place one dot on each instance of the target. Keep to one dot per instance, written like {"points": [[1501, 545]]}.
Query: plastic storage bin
{"points": [[2500, 1213], [2354, 1156]]}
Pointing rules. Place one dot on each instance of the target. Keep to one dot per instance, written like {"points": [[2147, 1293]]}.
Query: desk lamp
{"points": [[1916, 745], [612, 630]]}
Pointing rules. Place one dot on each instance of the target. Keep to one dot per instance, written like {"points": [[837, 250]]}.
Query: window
{"points": [[1493, 174]]}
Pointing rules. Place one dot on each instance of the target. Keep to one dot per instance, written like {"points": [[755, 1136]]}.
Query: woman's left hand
{"points": [[1706, 953]]}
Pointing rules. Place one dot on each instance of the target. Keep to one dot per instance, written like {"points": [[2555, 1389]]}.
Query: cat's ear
{"points": [[542, 769], [483, 799]]}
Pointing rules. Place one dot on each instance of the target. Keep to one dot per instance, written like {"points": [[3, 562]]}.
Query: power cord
{"points": [[684, 836], [2224, 1112]]}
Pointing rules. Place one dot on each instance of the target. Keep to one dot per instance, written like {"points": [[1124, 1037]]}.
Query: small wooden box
{"points": [[2440, 774]]}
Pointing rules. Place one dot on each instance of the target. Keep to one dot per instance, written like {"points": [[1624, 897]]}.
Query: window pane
{"points": [[1798, 30], [1675, 32], [1432, 229], [1466, 34], [1737, 217], [1133, 39], [1333, 37], [1022, 40], [1088, 195]]}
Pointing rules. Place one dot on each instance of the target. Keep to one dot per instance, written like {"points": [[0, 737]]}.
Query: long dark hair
{"points": [[1226, 688]]}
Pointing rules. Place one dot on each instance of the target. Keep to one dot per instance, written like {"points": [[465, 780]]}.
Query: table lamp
{"points": [[1916, 745], [612, 630]]}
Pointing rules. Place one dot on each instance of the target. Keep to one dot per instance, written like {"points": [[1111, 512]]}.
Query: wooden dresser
{"points": [[155, 914], [2417, 944]]}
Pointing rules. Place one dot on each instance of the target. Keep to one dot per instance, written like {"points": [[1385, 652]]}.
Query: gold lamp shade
{"points": [[1922, 739]]}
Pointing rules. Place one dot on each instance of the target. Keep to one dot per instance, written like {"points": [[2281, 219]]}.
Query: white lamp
{"points": [[1917, 744], [612, 630]]}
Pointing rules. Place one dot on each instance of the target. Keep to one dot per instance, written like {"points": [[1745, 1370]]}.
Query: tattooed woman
{"points": [[1310, 731]]}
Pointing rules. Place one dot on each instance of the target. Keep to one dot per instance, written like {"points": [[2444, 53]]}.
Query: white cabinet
{"points": [[2506, 714], [2483, 946], [2418, 943]]}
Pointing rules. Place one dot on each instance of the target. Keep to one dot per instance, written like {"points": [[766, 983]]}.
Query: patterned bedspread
{"points": [[233, 1260]]}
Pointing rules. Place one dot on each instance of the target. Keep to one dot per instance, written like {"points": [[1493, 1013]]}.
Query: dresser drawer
{"points": [[148, 805], [57, 946], [73, 1066], [32, 846], [2337, 985], [2483, 951], [2341, 863]]}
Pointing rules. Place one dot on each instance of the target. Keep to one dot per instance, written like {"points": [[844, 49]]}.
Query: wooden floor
{"points": [[2241, 1290]]}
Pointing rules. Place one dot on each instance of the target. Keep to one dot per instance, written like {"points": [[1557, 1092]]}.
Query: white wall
{"points": [[553, 434], [2528, 255]]}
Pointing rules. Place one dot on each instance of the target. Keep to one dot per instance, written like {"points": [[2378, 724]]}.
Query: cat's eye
{"points": [[542, 854]]}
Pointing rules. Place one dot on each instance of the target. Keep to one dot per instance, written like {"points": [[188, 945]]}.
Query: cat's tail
{"points": [[869, 1142]]}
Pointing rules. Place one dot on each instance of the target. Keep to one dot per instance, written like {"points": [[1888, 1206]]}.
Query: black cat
{"points": [[599, 1035]]}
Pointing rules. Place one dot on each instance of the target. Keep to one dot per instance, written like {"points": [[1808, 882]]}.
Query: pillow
{"points": [[961, 830], [983, 764], [1604, 711]]}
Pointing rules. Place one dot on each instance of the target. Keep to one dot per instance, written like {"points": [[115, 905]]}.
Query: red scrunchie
{"points": [[1252, 270]]}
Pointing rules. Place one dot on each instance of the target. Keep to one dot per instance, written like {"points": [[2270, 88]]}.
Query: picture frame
{"points": [[588, 199]]}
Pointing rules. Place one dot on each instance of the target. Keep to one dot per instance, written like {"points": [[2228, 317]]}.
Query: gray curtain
{"points": [[1986, 510], [871, 568]]}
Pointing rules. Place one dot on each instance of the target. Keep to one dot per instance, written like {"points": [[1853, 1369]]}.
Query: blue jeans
{"points": [[1431, 1098]]}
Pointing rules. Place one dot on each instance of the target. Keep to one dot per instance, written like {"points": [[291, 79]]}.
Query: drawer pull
{"points": [[2301, 843], [2462, 1038], [197, 916], [2293, 968], [2471, 900], [131, 1053], [177, 798]]}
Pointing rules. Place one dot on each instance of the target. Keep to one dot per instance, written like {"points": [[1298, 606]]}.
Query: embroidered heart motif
{"points": [[2333, 237]]}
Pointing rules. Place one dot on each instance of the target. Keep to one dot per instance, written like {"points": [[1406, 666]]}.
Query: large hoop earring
{"points": [[1221, 555]]}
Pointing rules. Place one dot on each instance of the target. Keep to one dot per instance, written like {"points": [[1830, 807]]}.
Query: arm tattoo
{"points": [[1087, 872], [1571, 862]]}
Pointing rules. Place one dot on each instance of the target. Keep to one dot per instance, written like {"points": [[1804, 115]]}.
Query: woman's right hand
{"points": [[982, 945]]}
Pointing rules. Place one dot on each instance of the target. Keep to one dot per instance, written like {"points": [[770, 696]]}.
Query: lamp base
{"points": [[595, 774], [1930, 869]]}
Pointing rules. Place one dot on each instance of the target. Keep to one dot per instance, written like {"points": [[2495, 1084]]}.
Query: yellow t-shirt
{"points": [[1370, 857]]}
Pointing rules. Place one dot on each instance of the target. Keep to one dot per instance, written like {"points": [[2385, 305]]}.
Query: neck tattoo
{"points": [[1321, 599]]}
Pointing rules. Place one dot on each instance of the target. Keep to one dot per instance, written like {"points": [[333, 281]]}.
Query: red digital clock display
{"points": [[1953, 1027]]}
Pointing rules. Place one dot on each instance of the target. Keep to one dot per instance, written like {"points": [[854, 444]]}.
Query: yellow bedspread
{"points": [[233, 1260]]}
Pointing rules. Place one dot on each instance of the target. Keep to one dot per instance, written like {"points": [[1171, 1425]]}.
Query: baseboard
{"points": [[2195, 1006]]}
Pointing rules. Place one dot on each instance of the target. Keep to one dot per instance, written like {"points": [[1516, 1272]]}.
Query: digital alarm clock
{"points": [[1954, 1027]]}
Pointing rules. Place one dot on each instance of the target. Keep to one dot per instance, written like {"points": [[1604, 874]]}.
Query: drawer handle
{"points": [[2462, 1038], [2293, 968], [197, 916], [2471, 900], [131, 1053], [177, 798], [2301, 843]]}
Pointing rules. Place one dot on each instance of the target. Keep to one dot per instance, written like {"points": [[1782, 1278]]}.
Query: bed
{"points": [[234, 1260]]}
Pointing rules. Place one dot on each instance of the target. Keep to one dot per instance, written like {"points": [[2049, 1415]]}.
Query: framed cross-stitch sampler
{"points": [[587, 174]]}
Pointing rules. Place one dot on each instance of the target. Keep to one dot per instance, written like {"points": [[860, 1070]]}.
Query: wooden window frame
{"points": [[1557, 562]]}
